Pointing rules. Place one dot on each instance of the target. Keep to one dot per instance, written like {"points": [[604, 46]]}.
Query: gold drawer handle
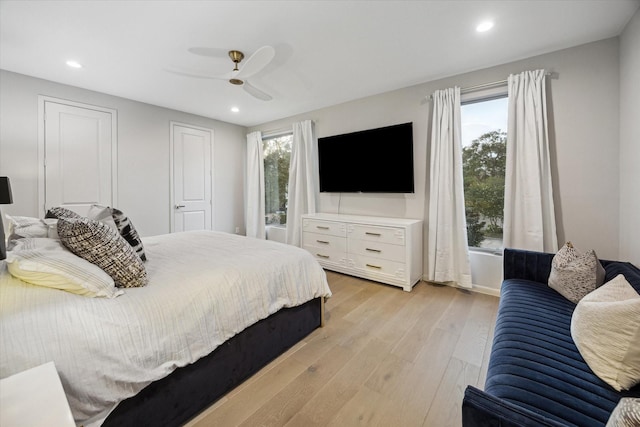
{"points": [[368, 233], [373, 266], [322, 256], [373, 250], [321, 227], [322, 241]]}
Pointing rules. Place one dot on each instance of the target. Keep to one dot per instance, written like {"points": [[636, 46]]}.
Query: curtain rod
{"points": [[487, 85], [276, 133], [483, 86]]}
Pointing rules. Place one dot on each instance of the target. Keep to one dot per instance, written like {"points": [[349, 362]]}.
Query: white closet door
{"points": [[192, 178], [78, 157]]}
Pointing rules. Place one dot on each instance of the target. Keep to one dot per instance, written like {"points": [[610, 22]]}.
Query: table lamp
{"points": [[5, 199]]}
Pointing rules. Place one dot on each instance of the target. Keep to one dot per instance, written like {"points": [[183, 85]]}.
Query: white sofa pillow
{"points": [[605, 327], [46, 262]]}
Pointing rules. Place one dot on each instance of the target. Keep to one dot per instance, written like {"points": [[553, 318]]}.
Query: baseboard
{"points": [[486, 290], [474, 288]]}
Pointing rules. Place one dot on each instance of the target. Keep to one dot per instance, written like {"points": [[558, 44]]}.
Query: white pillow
{"points": [[605, 327], [52, 224], [102, 214], [46, 262], [25, 226]]}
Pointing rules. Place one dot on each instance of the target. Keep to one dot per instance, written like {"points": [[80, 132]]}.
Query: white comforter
{"points": [[204, 287]]}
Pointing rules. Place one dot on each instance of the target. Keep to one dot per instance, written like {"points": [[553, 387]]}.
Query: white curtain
{"points": [[303, 173], [254, 192], [529, 219], [448, 252]]}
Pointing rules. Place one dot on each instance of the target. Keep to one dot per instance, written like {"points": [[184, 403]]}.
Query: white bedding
{"points": [[204, 287]]}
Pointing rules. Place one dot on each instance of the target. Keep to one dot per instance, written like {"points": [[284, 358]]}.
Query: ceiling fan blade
{"points": [[189, 73], [255, 92], [257, 62], [212, 52]]}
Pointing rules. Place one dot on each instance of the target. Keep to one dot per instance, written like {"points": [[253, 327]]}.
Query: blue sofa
{"points": [[536, 376]]}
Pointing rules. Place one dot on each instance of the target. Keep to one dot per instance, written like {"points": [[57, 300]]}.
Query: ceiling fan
{"points": [[239, 75]]}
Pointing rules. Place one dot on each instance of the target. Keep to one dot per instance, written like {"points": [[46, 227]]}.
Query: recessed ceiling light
{"points": [[235, 109], [484, 26], [74, 64]]}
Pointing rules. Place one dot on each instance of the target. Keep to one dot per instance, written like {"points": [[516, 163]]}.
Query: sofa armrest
{"points": [[527, 265], [480, 409]]}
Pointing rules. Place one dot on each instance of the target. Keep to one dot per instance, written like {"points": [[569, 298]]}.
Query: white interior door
{"points": [[79, 157], [192, 178]]}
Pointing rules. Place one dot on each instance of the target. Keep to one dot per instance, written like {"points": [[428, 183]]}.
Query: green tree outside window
{"points": [[277, 157], [483, 164]]}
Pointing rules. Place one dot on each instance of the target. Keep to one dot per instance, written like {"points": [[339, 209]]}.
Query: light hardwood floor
{"points": [[385, 358]]}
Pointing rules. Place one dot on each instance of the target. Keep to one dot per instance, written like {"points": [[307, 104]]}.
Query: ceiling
{"points": [[326, 52]]}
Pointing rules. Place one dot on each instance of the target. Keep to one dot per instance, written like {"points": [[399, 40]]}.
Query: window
{"points": [[277, 156], [484, 137]]}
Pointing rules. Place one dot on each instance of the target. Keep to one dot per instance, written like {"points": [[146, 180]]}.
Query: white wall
{"points": [[584, 137], [594, 110], [630, 141], [143, 154]]}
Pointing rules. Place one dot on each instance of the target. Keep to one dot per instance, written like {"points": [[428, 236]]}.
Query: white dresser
{"points": [[387, 250]]}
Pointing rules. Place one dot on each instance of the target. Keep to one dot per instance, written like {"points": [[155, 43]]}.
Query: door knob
{"points": [[180, 206]]}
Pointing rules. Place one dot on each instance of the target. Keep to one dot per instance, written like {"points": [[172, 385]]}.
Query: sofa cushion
{"points": [[535, 364], [574, 274], [606, 329]]}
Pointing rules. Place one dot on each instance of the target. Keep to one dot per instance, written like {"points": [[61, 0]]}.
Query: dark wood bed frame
{"points": [[177, 398]]}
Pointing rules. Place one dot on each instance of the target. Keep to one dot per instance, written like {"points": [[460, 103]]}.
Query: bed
{"points": [[217, 308]]}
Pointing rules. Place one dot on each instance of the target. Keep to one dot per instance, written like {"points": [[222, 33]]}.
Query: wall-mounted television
{"points": [[369, 161]]}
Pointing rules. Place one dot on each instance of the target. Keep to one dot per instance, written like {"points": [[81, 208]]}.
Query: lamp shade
{"points": [[5, 191]]}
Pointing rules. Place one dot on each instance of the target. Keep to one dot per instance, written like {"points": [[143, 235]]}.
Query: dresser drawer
{"points": [[324, 227], [377, 250], [324, 241], [373, 233], [378, 266], [327, 255]]}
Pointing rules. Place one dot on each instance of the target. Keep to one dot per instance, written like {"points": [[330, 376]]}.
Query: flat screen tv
{"points": [[369, 161]]}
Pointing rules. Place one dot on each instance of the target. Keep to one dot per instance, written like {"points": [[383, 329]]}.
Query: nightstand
{"points": [[34, 398]]}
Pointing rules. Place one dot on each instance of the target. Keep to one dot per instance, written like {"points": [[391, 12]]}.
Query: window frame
{"points": [[475, 97], [265, 139]]}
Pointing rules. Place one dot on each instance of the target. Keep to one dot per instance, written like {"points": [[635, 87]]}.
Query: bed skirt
{"points": [[177, 398]]}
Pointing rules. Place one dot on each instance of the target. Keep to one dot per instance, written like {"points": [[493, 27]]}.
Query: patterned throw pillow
{"points": [[626, 413], [128, 231], [574, 274], [60, 212], [103, 246]]}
